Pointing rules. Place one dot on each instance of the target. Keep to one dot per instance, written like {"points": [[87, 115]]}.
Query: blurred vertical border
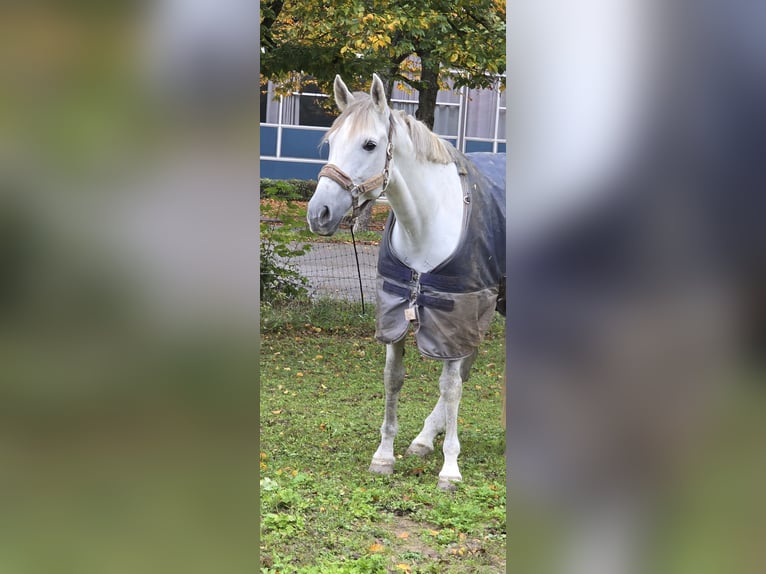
{"points": [[128, 294], [636, 251]]}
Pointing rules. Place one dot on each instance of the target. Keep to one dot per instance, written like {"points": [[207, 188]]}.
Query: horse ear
{"points": [[378, 93], [343, 95]]}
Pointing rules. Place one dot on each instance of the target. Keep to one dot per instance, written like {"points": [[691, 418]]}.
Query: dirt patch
{"points": [[408, 538], [467, 554]]}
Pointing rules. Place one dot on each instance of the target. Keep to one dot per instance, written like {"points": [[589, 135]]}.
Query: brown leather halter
{"points": [[344, 180]]}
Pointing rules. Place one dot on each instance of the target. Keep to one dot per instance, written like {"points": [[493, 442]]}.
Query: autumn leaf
{"points": [[376, 547]]}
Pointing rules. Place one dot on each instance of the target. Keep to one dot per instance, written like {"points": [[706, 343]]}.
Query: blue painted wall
{"points": [[268, 140], [304, 144], [473, 146], [275, 169]]}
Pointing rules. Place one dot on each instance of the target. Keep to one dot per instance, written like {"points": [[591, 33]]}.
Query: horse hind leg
{"points": [[466, 364], [393, 379], [435, 423], [451, 387]]}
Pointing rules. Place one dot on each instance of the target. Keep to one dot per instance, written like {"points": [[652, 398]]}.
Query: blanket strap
{"points": [[421, 299]]}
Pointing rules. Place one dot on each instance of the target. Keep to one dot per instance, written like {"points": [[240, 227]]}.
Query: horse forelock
{"points": [[360, 116]]}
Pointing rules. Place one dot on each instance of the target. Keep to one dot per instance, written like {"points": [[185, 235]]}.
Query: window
{"points": [[264, 102], [269, 105], [482, 108], [313, 108]]}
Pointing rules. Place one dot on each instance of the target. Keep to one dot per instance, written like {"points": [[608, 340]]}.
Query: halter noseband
{"points": [[344, 180]]}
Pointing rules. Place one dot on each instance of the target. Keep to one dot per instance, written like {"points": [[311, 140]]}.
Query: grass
{"points": [[321, 402], [343, 235]]}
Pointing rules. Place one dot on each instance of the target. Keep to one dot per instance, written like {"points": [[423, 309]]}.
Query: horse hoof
{"points": [[418, 449], [448, 484], [381, 467]]}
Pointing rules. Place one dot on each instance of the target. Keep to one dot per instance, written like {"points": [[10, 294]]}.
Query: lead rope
{"points": [[358, 270], [341, 178]]}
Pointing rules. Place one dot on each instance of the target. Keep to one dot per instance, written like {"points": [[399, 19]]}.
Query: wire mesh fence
{"points": [[331, 270], [335, 268]]}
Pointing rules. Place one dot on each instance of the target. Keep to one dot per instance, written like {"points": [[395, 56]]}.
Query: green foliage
{"points": [[287, 524], [300, 189], [464, 40], [283, 235], [365, 565]]}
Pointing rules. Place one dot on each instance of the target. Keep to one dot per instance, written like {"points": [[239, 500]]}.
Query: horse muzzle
{"points": [[326, 210]]}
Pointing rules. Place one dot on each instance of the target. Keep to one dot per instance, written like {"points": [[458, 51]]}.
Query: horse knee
{"points": [[451, 388]]}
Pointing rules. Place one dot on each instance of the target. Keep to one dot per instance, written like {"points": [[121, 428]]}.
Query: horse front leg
{"points": [[393, 379]]}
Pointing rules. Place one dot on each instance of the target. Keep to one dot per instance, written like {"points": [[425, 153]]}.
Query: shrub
{"points": [[291, 189], [282, 232]]}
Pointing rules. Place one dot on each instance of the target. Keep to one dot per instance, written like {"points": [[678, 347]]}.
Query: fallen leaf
{"points": [[403, 535], [376, 547]]}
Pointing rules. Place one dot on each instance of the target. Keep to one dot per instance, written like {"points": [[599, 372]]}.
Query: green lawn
{"points": [[321, 403]]}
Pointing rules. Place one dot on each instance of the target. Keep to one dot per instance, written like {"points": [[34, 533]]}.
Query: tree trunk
{"points": [[362, 222], [428, 89]]}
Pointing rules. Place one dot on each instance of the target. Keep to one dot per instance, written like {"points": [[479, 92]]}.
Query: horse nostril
{"points": [[324, 215]]}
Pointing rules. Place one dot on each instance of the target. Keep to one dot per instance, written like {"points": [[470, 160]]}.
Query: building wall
{"points": [[293, 126]]}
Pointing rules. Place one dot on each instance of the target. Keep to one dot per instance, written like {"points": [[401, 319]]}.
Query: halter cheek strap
{"points": [[381, 180]]}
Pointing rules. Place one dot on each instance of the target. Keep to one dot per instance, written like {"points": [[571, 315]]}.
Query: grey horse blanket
{"points": [[451, 306]]}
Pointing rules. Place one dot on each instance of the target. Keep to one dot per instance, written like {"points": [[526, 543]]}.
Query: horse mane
{"points": [[428, 146]]}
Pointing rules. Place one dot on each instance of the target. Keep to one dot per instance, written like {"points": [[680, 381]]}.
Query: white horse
{"points": [[374, 148]]}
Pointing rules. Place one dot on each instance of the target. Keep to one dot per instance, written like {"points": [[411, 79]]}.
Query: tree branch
{"points": [[269, 20]]}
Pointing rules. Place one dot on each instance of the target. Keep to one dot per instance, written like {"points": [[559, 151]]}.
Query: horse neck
{"points": [[427, 200]]}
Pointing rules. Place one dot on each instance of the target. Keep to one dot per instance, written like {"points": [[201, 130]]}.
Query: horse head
{"points": [[360, 152]]}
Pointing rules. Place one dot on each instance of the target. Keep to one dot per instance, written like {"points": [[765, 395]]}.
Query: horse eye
{"points": [[369, 145]]}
